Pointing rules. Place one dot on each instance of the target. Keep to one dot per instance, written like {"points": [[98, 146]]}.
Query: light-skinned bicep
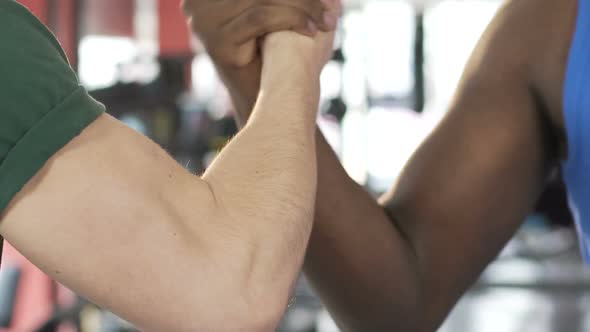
{"points": [[116, 219]]}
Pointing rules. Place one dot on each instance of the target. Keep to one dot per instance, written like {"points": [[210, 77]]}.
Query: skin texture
{"points": [[127, 227], [463, 194]]}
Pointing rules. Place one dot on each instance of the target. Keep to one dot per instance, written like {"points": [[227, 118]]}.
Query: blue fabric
{"points": [[576, 108]]}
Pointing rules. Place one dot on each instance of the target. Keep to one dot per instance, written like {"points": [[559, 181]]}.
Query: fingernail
{"points": [[330, 20], [312, 27]]}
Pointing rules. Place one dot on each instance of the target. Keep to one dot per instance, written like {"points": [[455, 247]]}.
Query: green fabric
{"points": [[42, 105]]}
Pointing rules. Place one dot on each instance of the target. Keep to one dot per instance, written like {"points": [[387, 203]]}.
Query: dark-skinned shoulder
{"points": [[551, 39], [535, 36]]}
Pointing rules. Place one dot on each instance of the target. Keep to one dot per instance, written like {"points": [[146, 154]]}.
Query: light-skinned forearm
{"points": [[265, 182]]}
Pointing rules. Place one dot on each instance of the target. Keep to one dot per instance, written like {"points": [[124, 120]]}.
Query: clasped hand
{"points": [[233, 31]]}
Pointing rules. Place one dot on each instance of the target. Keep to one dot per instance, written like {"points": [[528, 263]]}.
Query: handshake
{"points": [[294, 37], [232, 31]]}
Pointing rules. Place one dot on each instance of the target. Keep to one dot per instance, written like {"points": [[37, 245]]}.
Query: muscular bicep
{"points": [[112, 216], [471, 184]]}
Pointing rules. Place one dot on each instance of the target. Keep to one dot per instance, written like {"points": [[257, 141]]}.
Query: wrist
{"points": [[290, 77], [290, 52], [284, 104], [290, 84], [290, 88]]}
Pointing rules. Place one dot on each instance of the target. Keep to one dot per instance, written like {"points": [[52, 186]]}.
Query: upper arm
{"points": [[117, 220], [471, 184]]}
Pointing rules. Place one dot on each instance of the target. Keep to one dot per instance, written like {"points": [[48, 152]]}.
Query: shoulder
{"points": [[529, 41], [552, 30]]}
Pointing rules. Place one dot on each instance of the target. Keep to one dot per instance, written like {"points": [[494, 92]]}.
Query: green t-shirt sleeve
{"points": [[42, 105]]}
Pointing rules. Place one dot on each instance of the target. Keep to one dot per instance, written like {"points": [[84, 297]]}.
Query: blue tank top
{"points": [[576, 108]]}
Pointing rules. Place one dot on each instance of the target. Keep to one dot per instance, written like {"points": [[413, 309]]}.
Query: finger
{"points": [[315, 10], [261, 20], [217, 12], [310, 30]]}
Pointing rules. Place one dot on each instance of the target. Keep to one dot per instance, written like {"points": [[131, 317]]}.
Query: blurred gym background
{"points": [[396, 65]]}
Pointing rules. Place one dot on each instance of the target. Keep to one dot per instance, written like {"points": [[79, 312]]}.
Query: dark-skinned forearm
{"points": [[243, 84], [358, 262]]}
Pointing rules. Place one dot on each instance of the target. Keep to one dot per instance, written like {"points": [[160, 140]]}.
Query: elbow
{"points": [[266, 295], [404, 315], [406, 301], [261, 314], [227, 317], [253, 282], [255, 252], [403, 318], [233, 305], [263, 319]]}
